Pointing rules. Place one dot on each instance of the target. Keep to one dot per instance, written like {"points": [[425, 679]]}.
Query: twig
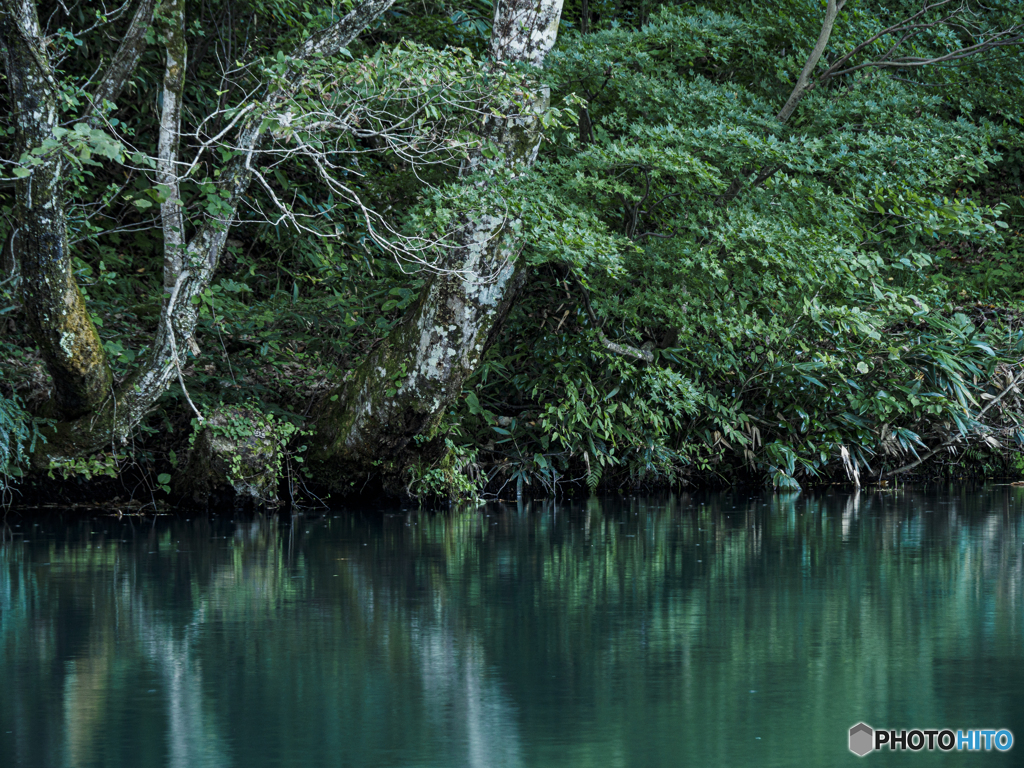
{"points": [[955, 438], [620, 349]]}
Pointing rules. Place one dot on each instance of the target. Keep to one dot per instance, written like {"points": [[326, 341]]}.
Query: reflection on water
{"points": [[705, 630]]}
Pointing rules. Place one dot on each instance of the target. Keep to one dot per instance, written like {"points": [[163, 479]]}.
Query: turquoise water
{"points": [[717, 630]]}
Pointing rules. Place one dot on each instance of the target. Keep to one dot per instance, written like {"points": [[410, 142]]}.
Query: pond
{"points": [[729, 629]]}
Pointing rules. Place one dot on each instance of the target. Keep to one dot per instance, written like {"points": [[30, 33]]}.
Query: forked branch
{"points": [[913, 26], [900, 33]]}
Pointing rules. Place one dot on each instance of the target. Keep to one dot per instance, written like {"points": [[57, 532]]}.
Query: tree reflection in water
{"points": [[729, 628]]}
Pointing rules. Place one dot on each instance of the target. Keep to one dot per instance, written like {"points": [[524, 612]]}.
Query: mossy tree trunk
{"points": [[382, 420], [54, 306]]}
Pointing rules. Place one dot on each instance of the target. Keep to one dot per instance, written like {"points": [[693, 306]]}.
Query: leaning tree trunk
{"points": [[403, 388]]}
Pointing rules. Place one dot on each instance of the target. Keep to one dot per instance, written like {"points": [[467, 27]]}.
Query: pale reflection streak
{"points": [[466, 702], [85, 699], [457, 687], [193, 738]]}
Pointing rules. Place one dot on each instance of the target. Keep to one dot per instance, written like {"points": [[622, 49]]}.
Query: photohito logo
{"points": [[865, 739]]}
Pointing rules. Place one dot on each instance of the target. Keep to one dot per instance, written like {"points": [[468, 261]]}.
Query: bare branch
{"points": [[1012, 36], [126, 59], [903, 31], [208, 242], [913, 26], [907, 24], [802, 82]]}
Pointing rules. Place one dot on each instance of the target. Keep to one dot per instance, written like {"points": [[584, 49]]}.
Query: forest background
{"points": [[448, 250]]}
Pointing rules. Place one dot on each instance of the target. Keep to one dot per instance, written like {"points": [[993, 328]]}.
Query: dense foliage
{"points": [[711, 290], [801, 276]]}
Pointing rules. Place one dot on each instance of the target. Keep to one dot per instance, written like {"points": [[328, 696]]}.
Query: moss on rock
{"points": [[236, 450]]}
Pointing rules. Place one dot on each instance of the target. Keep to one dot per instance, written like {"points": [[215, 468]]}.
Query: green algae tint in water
{"points": [[716, 630]]}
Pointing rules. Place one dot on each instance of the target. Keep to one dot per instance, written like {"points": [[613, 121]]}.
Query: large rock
{"points": [[237, 450]]}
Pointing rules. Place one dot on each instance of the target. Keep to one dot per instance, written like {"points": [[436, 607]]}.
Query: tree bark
{"points": [[55, 309], [398, 396], [171, 219], [127, 57]]}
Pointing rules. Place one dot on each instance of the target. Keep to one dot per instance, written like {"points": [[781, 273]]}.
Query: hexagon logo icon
{"points": [[862, 738]]}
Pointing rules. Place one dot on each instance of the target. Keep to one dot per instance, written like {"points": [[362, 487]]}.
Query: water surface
{"points": [[715, 630]]}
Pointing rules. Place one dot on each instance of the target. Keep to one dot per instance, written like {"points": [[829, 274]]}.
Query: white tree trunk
{"points": [[403, 389]]}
